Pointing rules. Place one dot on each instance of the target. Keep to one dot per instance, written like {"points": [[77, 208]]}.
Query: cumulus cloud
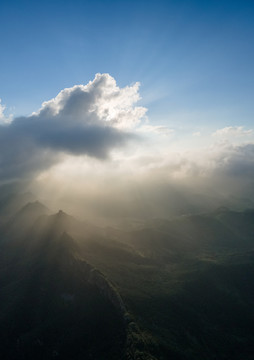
{"points": [[100, 101], [3, 118], [156, 180], [232, 131], [87, 119]]}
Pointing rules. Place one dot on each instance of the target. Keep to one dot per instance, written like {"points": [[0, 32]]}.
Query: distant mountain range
{"points": [[172, 289]]}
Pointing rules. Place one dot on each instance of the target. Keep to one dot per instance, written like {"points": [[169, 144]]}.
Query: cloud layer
{"points": [[232, 131], [87, 119], [167, 173], [150, 184]]}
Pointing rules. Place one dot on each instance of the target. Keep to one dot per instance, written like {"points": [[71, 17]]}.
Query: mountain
{"points": [[11, 201], [193, 291], [52, 309], [173, 289]]}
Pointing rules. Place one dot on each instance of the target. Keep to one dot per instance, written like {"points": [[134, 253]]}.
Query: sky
{"points": [[191, 57], [172, 98]]}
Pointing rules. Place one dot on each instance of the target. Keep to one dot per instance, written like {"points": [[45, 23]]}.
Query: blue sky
{"points": [[194, 59]]}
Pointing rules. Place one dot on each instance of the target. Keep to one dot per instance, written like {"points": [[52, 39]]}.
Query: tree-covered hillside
{"points": [[172, 289]]}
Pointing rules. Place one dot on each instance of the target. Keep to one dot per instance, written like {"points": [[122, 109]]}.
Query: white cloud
{"points": [[232, 131], [198, 133], [3, 118], [90, 119], [101, 100]]}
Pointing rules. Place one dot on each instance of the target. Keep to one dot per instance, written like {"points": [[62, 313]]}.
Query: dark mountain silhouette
{"points": [[173, 289], [50, 308], [11, 202], [33, 210]]}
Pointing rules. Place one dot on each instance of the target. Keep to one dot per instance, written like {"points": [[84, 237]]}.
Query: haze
{"points": [[126, 180]]}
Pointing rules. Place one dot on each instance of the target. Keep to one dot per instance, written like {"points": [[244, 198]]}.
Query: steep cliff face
{"points": [[135, 345], [106, 289]]}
